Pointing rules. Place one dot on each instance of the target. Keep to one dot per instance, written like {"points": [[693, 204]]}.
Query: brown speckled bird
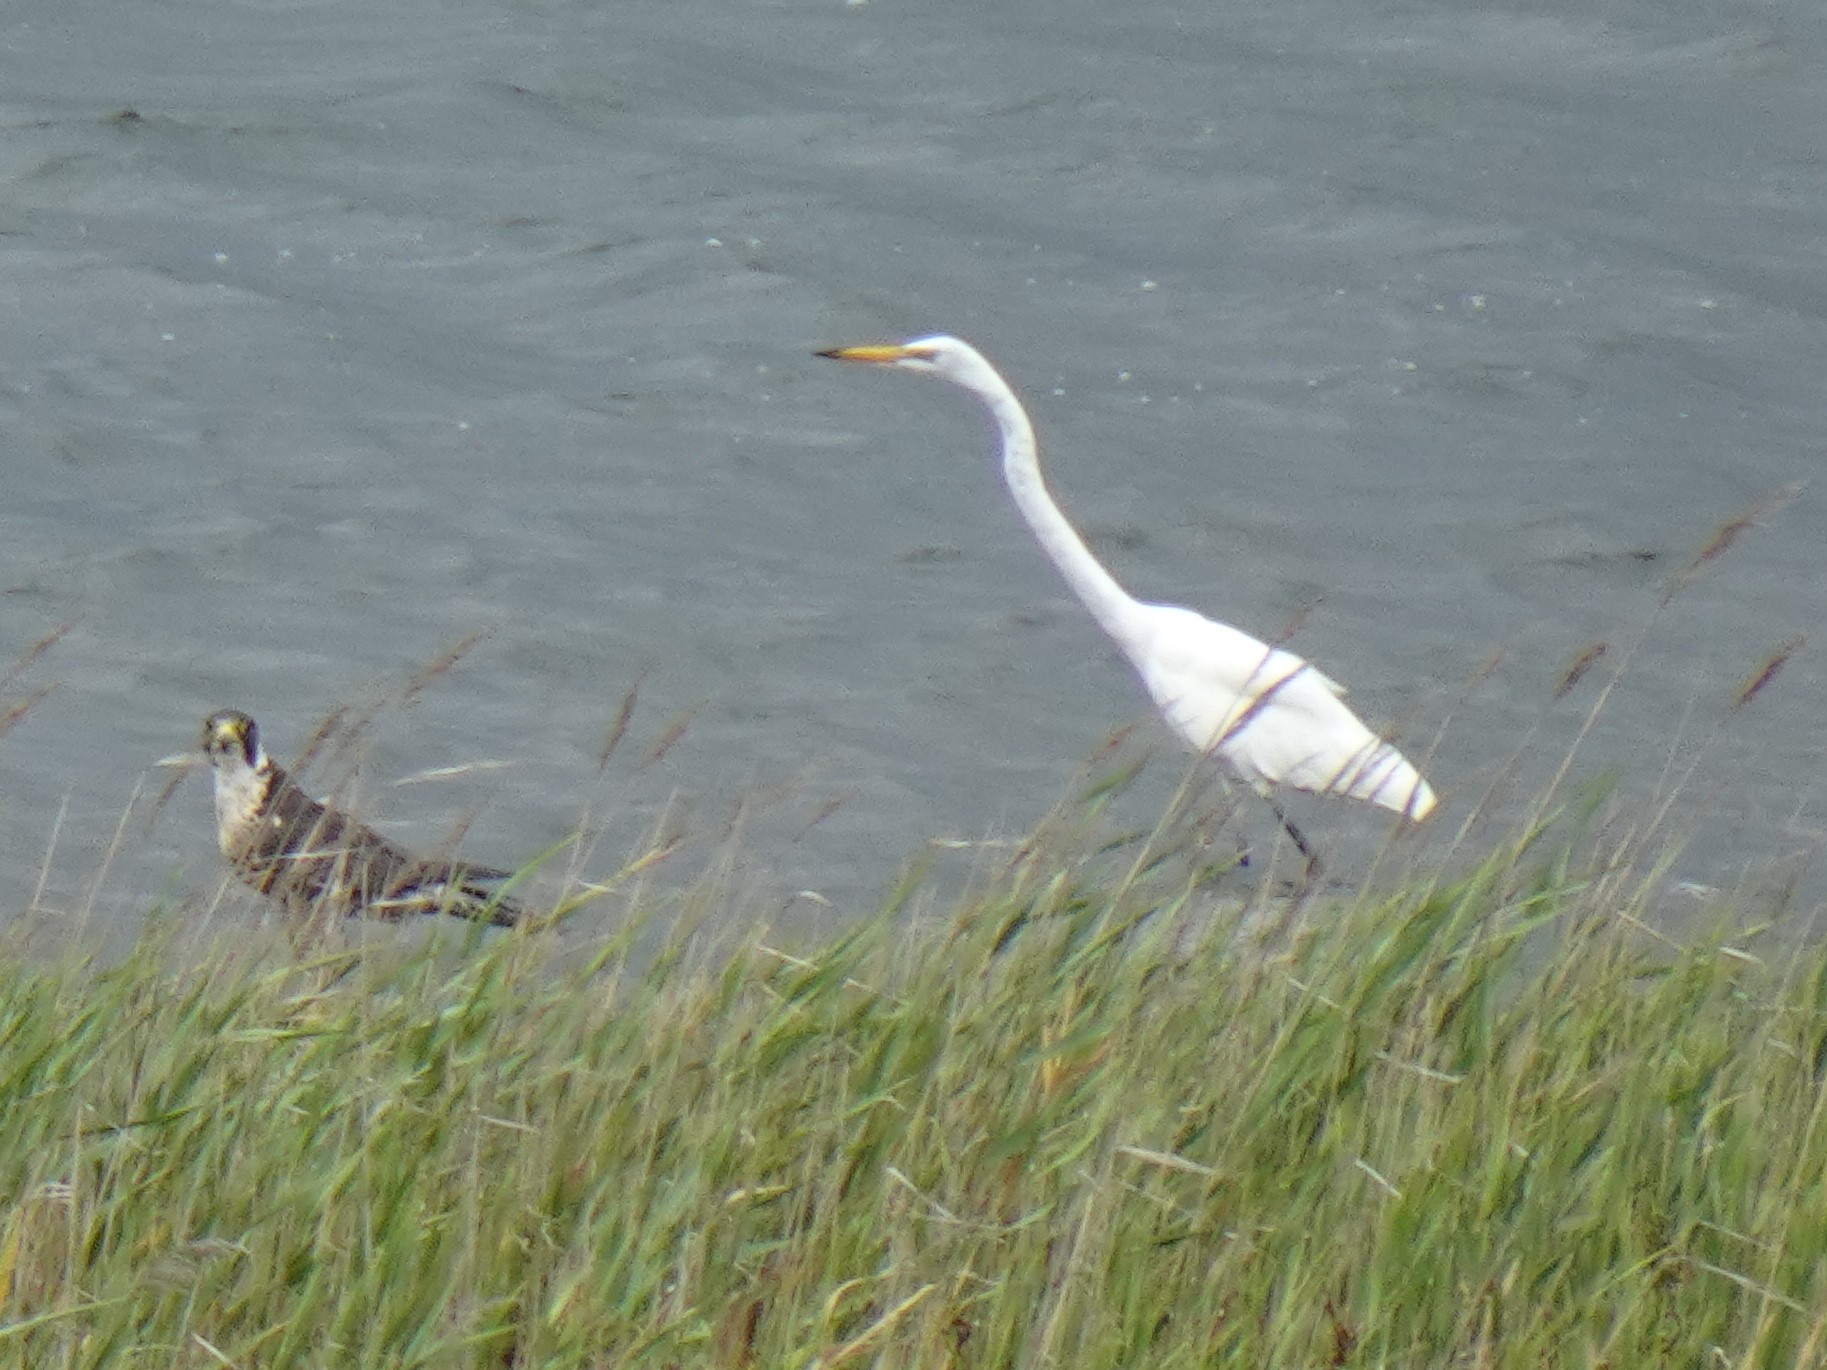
{"points": [[312, 858]]}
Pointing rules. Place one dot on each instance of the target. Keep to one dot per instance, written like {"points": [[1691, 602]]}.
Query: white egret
{"points": [[1269, 717]]}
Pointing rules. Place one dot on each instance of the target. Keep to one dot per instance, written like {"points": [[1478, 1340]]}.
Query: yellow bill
{"points": [[880, 353]]}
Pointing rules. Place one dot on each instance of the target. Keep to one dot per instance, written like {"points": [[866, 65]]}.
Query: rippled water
{"points": [[337, 332]]}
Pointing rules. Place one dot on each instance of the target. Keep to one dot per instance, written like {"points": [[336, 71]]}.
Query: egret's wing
{"points": [[1214, 681], [1273, 717]]}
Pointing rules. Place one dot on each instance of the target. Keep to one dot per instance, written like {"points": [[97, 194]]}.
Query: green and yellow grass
{"points": [[1086, 1121], [1478, 1115]]}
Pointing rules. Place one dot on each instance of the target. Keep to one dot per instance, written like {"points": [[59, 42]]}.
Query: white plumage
{"points": [[1267, 715]]}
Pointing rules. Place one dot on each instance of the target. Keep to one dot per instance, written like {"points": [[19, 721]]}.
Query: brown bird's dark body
{"points": [[313, 858]]}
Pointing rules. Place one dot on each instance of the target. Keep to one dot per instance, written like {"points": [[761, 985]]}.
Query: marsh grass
{"points": [[1087, 1120], [1481, 1110]]}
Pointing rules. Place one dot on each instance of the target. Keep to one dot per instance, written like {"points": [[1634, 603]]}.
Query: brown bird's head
{"points": [[231, 743]]}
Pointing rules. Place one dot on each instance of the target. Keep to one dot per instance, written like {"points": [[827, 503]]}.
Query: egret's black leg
{"points": [[1300, 842]]}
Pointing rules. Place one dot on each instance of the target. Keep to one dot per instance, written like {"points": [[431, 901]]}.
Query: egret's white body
{"points": [[1264, 713]]}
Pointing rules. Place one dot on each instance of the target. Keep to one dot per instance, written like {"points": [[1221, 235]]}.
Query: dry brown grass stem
{"points": [[440, 666], [671, 735], [340, 731], [1297, 621], [1728, 533], [1576, 670], [31, 654], [1761, 678], [618, 726], [14, 713], [827, 809], [1715, 547]]}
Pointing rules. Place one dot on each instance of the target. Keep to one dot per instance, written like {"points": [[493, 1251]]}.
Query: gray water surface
{"points": [[336, 332]]}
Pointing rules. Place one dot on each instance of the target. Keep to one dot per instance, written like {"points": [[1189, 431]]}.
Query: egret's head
{"points": [[946, 357], [939, 354], [231, 742]]}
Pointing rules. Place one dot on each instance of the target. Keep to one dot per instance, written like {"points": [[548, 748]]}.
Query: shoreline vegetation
{"points": [[1481, 1110], [1094, 1115]]}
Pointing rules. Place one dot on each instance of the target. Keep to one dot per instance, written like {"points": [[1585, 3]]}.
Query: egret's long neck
{"points": [[1057, 537]]}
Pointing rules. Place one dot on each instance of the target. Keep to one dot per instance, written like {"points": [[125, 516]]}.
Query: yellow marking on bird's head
{"points": [[230, 735], [881, 354], [227, 726]]}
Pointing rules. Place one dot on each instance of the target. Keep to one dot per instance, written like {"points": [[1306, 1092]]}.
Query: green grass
{"points": [[1485, 1122]]}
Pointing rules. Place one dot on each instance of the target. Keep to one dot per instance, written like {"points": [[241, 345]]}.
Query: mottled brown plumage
{"points": [[312, 858]]}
